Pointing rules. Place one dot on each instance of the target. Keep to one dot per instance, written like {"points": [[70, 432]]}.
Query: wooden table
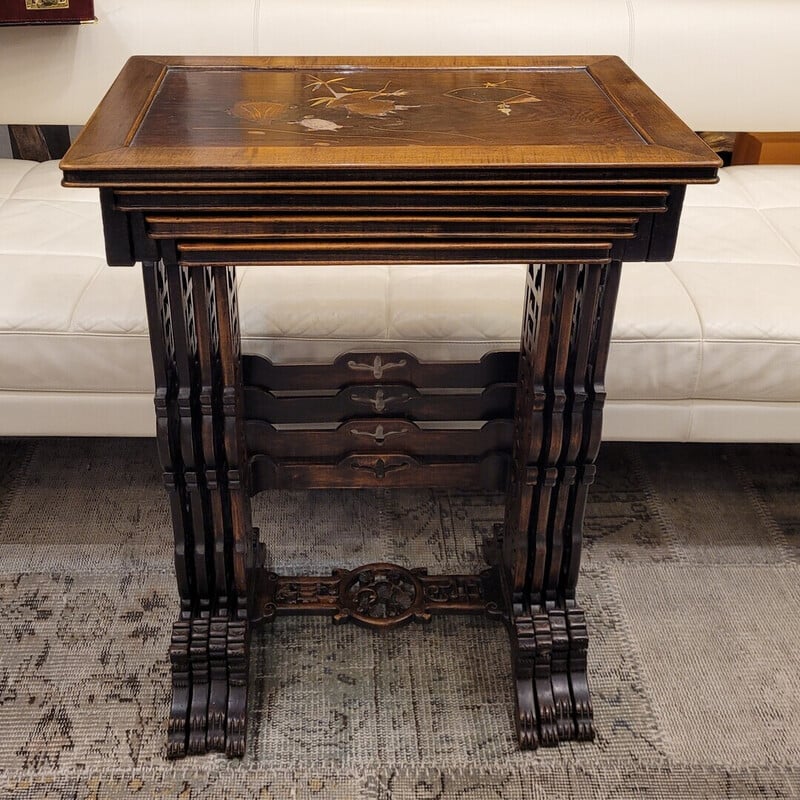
{"points": [[568, 165]]}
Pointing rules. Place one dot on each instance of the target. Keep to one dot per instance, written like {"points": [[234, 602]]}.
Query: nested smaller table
{"points": [[568, 165]]}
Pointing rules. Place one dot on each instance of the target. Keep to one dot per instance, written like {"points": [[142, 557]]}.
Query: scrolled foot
{"points": [[236, 723], [237, 738], [198, 713], [578, 645], [218, 694], [559, 678], [216, 740], [177, 727], [523, 646], [585, 730], [526, 723], [565, 724], [209, 687], [548, 729], [197, 736]]}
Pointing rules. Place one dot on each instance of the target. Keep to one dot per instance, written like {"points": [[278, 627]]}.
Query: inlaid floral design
{"points": [[372, 103], [500, 93], [407, 107], [258, 111], [367, 102]]}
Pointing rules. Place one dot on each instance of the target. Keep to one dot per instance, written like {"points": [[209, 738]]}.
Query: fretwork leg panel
{"points": [[566, 334], [194, 336]]}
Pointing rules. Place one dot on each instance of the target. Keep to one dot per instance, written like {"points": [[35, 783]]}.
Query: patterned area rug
{"points": [[690, 581]]}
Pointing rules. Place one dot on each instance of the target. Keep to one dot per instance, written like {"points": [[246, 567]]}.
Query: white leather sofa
{"points": [[705, 348]]}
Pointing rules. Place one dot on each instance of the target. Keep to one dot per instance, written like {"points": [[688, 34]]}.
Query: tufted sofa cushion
{"points": [[706, 347]]}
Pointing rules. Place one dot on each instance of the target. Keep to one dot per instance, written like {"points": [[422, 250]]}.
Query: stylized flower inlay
{"points": [[258, 111], [367, 102], [499, 94]]}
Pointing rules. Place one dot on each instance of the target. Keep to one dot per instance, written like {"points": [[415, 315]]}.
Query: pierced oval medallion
{"points": [[381, 595]]}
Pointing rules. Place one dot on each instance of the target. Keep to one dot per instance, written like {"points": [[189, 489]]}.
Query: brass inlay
{"points": [[45, 5]]}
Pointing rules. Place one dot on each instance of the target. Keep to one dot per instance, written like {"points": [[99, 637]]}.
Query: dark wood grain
{"points": [[415, 107], [618, 121]]}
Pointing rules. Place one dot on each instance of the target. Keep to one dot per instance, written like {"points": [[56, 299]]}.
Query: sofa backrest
{"points": [[725, 65]]}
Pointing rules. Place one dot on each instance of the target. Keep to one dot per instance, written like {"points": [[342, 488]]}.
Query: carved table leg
{"points": [[565, 338], [523, 649], [242, 545], [527, 506], [555, 379], [193, 321], [208, 411], [190, 332], [162, 346], [177, 728], [601, 299]]}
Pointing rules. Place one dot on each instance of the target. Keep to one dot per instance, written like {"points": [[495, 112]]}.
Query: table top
{"points": [[177, 120]]}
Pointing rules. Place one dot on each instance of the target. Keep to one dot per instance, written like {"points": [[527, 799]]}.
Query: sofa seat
{"points": [[705, 348]]}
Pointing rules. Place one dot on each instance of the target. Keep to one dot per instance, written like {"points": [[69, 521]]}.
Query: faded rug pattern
{"points": [[690, 582]]}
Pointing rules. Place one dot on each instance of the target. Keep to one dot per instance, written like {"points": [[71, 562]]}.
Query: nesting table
{"points": [[567, 165]]}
